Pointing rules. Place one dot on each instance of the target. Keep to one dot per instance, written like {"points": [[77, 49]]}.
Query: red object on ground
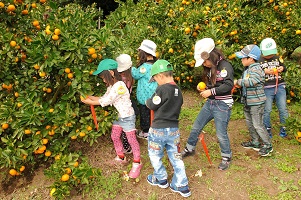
{"points": [[94, 116], [201, 138]]}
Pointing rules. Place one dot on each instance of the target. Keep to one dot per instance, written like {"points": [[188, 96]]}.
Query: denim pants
{"points": [[280, 98], [254, 116], [168, 138], [220, 112]]}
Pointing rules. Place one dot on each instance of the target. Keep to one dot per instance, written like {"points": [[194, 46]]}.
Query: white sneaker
{"points": [[142, 135]]}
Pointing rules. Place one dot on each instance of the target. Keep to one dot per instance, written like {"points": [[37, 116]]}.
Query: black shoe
{"points": [[265, 150], [186, 153], [251, 145], [225, 164]]}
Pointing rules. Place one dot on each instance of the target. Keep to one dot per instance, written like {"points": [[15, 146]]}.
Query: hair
{"points": [[127, 74], [215, 56], [109, 79], [167, 73], [142, 55]]}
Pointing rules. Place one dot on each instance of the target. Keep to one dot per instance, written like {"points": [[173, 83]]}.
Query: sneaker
{"points": [[119, 161], [269, 130], [282, 132], [225, 163], [135, 171], [186, 153], [251, 145], [151, 179], [184, 191], [265, 150], [142, 135], [128, 150]]}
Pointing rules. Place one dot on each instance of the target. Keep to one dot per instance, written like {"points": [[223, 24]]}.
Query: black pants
{"points": [[144, 118]]}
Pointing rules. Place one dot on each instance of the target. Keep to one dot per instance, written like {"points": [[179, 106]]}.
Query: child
{"points": [[118, 95], [124, 68], [164, 132], [253, 97], [218, 76], [147, 56], [274, 86]]}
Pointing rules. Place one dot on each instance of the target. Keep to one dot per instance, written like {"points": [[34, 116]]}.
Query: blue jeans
{"points": [[254, 115], [127, 123], [280, 98], [168, 138], [220, 112]]}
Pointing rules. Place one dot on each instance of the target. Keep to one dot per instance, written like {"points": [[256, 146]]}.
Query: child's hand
{"points": [[205, 93]]}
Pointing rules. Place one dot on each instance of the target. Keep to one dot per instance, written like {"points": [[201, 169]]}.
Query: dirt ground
{"points": [[249, 177]]}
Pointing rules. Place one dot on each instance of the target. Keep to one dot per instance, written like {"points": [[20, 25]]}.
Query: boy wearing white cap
{"points": [[147, 56], [253, 97], [274, 87], [218, 75]]}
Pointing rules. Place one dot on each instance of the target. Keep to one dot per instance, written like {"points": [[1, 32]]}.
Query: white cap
{"points": [[124, 62], [149, 47], [203, 45], [268, 47]]}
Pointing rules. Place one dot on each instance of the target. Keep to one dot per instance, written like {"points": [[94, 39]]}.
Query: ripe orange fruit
{"points": [[47, 31], [170, 50], [82, 134], [11, 8], [94, 55], [44, 140], [36, 66], [75, 164], [49, 90], [48, 153], [42, 1], [13, 172], [42, 74], [27, 131], [48, 127], [73, 137], [51, 110], [57, 31], [89, 128], [34, 5], [2, 5], [298, 32], [5, 126], [51, 132], [288, 101], [55, 37], [65, 177], [22, 168], [91, 51], [38, 132], [24, 12], [57, 157], [35, 23], [67, 70], [12, 43], [42, 148], [68, 170], [70, 75], [187, 30], [201, 86]]}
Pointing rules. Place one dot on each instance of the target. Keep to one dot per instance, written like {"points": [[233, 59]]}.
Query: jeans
{"points": [[220, 112], [127, 123], [280, 98], [254, 116], [168, 138]]}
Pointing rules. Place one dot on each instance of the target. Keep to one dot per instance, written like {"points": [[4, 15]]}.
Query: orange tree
{"points": [[47, 55], [175, 26]]}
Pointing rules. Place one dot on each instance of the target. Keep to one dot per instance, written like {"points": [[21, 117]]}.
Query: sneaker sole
{"points": [[255, 149], [182, 194], [267, 154], [160, 186]]}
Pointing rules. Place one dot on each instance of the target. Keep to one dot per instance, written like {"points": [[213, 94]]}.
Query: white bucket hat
{"points": [[268, 47], [124, 62], [203, 45], [149, 47]]}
